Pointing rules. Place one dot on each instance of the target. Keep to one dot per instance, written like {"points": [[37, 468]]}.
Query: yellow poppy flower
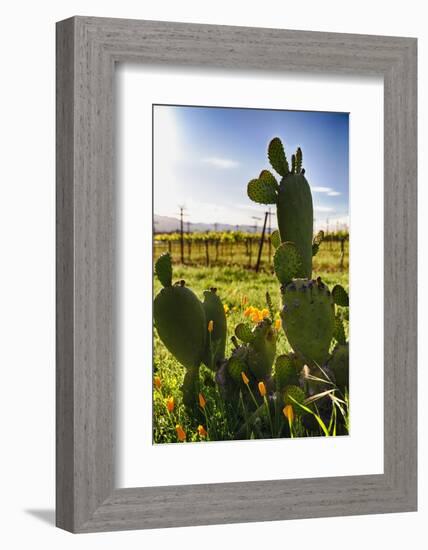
{"points": [[250, 311], [202, 431], [245, 379], [170, 404], [210, 326], [262, 389], [288, 412], [202, 401], [226, 308], [181, 434], [278, 324]]}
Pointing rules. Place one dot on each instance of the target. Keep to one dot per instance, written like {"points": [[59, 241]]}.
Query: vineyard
{"points": [[236, 248]]}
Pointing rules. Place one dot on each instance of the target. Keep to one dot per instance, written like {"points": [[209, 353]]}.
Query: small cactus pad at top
{"points": [[163, 269], [215, 343], [308, 319], [299, 159], [277, 157], [268, 178], [180, 322], [340, 296], [262, 191], [287, 262]]}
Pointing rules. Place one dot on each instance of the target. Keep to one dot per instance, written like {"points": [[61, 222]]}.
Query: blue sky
{"points": [[205, 156]]}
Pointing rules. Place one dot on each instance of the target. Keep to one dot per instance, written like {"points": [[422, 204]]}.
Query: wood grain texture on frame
{"points": [[87, 50]]}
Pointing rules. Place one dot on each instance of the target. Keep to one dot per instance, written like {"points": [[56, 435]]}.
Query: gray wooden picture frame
{"points": [[87, 51]]}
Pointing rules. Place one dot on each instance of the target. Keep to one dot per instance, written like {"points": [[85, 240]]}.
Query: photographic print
{"points": [[251, 274]]}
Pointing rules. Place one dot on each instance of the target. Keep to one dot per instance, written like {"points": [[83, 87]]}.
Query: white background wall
{"points": [[27, 270]]}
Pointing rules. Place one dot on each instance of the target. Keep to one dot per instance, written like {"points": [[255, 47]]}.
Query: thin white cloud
{"points": [[328, 190], [323, 209], [318, 189], [219, 162]]}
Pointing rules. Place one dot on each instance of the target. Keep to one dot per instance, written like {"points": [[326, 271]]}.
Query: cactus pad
{"points": [[308, 319], [277, 157], [262, 349], [270, 305], [262, 191], [339, 364], [243, 332], [275, 238], [316, 242], [292, 395], [340, 296], [287, 262], [215, 343], [236, 365], [295, 217], [339, 331], [286, 371], [269, 179], [163, 269], [299, 158], [190, 389], [180, 322]]}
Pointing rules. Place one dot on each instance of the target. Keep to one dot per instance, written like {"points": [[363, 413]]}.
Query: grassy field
{"points": [[238, 288]]}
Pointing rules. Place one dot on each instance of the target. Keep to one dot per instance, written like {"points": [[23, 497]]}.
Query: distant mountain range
{"points": [[166, 224]]}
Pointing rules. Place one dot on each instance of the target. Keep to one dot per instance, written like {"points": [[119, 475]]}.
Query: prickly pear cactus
{"points": [[229, 378], [293, 395], [163, 269], [216, 327], [287, 368], [287, 263], [262, 349], [319, 237], [339, 364], [293, 200], [179, 319], [340, 296], [295, 217], [308, 319], [294, 203], [339, 331]]}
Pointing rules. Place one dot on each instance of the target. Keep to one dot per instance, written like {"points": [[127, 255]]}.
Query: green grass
{"points": [[238, 287]]}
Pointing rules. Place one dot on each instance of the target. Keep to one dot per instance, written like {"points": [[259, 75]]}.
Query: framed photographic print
{"points": [[236, 274]]}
